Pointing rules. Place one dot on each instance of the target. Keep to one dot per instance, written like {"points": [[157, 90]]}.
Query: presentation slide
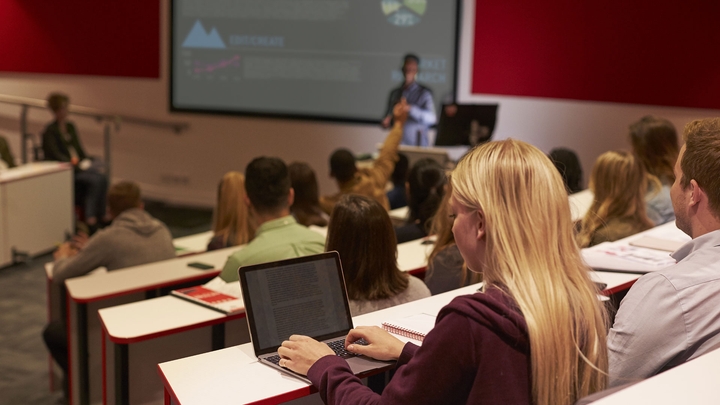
{"points": [[323, 59]]}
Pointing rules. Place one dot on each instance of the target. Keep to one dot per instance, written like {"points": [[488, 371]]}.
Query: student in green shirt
{"points": [[278, 236]]}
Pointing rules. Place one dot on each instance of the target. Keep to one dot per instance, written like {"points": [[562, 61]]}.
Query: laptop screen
{"points": [[302, 296]]}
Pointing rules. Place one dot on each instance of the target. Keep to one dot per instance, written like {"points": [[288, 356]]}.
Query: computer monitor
{"points": [[466, 124]]}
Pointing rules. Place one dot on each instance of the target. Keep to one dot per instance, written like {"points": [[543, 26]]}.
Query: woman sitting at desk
{"points": [[361, 231], [232, 225], [425, 187], [619, 184], [535, 334], [60, 142]]}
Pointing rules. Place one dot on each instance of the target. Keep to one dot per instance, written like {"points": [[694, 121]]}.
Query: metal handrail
{"points": [[109, 119]]}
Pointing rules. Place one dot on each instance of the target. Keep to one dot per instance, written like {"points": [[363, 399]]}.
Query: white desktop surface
{"points": [[36, 208], [32, 169], [596, 258], [89, 288], [580, 203], [400, 214], [413, 255], [192, 243], [141, 319], [233, 375], [694, 382]]}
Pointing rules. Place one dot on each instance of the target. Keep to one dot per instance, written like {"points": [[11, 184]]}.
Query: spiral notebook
{"points": [[413, 327]]}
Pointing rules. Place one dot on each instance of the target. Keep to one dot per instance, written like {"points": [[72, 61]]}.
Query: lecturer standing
{"points": [[421, 112]]}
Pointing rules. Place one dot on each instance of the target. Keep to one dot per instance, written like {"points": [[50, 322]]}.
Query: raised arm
{"points": [[385, 163]]}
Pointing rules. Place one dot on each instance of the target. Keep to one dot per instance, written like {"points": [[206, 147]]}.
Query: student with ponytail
{"points": [[535, 334]]}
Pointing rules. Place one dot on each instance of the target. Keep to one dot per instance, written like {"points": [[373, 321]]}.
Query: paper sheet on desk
{"points": [[649, 257]]}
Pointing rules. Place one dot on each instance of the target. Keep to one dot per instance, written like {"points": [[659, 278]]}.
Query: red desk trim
{"points": [[622, 287]]}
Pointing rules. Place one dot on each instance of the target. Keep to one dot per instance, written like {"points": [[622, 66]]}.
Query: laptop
{"points": [[299, 296]]}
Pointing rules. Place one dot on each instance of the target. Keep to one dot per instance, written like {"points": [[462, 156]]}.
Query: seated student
{"points": [[361, 231], [6, 158], [655, 142], [535, 334], [425, 188], [397, 196], [371, 181], [568, 164], [672, 315], [60, 142], [306, 207], [133, 238], [446, 268], [619, 185], [278, 236], [232, 225]]}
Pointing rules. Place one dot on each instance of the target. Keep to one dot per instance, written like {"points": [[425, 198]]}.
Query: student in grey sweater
{"points": [[133, 238]]}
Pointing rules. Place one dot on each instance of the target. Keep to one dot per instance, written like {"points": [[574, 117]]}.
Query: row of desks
{"points": [[88, 295], [233, 375]]}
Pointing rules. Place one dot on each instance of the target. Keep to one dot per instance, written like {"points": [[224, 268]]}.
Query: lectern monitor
{"points": [[466, 124]]}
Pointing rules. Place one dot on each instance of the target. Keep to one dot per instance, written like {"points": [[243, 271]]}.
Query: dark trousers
{"points": [[55, 337], [90, 192]]}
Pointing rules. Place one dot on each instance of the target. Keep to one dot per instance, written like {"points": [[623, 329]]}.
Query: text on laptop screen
{"points": [[297, 299]]}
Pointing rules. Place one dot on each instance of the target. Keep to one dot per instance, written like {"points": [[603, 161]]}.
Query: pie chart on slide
{"points": [[404, 13]]}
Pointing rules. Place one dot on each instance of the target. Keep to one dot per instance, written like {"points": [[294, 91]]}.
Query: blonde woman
{"points": [[619, 184], [535, 334], [232, 225]]}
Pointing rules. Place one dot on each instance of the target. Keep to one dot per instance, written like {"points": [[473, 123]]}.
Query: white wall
{"points": [[216, 144]]}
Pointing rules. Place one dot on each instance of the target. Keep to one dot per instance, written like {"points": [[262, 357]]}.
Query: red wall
{"points": [[639, 51], [102, 37]]}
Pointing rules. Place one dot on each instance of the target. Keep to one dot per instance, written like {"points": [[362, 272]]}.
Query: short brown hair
{"points": [[701, 160], [123, 196], [361, 231], [55, 101]]}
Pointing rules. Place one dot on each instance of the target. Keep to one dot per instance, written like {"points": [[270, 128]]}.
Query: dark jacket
{"points": [[478, 353], [55, 146]]}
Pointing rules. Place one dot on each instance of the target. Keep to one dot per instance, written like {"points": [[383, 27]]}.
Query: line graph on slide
{"points": [[205, 67]]}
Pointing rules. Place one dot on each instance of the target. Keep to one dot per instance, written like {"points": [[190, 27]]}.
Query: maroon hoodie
{"points": [[478, 353]]}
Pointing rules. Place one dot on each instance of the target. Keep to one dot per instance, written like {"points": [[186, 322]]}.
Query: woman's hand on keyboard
{"points": [[300, 352], [380, 344]]}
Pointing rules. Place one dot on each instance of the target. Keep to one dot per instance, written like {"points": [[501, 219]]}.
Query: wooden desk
{"points": [[694, 382], [601, 257], [87, 294], [36, 209]]}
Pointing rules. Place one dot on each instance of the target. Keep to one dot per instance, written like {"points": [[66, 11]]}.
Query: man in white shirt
{"points": [[673, 315]]}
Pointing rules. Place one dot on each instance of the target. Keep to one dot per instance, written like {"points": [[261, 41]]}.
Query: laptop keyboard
{"points": [[338, 346]]}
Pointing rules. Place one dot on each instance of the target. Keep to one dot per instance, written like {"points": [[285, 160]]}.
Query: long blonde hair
{"points": [[619, 184], [231, 218], [531, 254]]}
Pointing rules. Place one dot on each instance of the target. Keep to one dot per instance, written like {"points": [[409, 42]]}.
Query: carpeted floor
{"points": [[23, 314]]}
